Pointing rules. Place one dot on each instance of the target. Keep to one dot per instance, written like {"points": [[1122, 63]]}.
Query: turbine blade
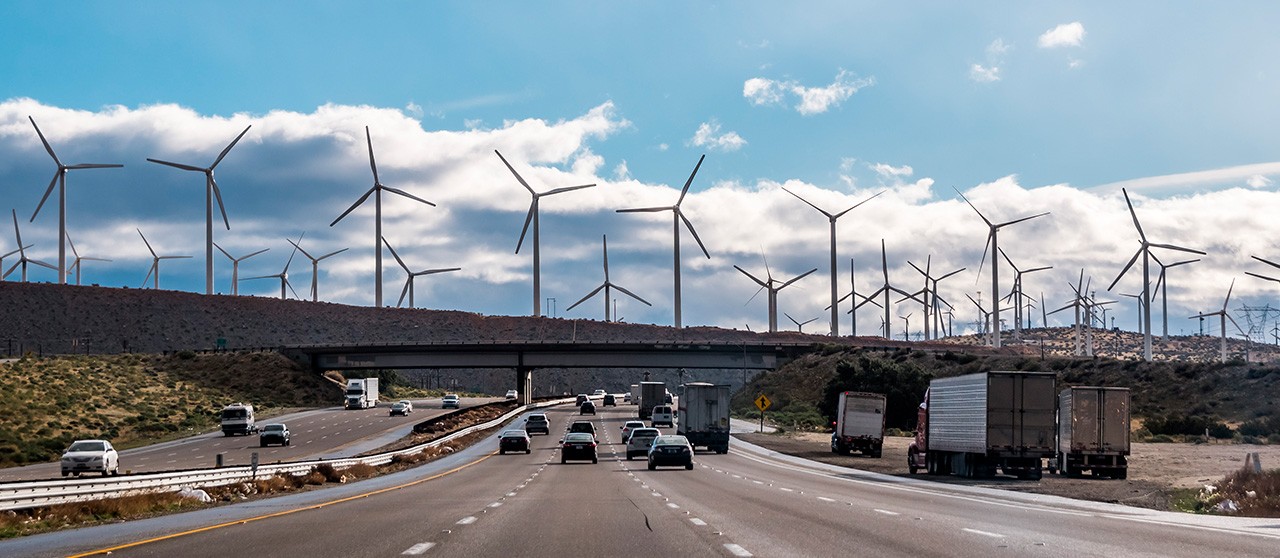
{"points": [[689, 226], [1126, 268], [1178, 248], [243, 258], [176, 165], [1015, 221], [1006, 258], [405, 291], [752, 277], [43, 264], [1037, 269], [797, 278], [528, 218], [518, 177], [935, 281], [372, 165], [435, 271], [229, 146], [1246, 273], [73, 247], [820, 210], [407, 195], [354, 205], [15, 266], [689, 182], [975, 209], [397, 256], [1268, 262], [584, 299], [18, 232], [299, 248], [868, 298], [45, 142], [605, 243], [983, 261], [855, 206], [52, 183], [1134, 214], [334, 253], [630, 294], [1228, 300], [565, 189], [82, 166], [217, 194], [290, 285], [646, 209], [753, 297], [1238, 328], [144, 241], [150, 270]]}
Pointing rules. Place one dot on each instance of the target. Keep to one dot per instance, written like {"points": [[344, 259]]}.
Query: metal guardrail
{"points": [[31, 494]]}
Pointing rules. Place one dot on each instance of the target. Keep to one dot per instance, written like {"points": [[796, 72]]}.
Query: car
{"points": [[402, 408], [512, 394], [670, 450], [629, 426], [626, 397], [537, 422], [513, 440], [583, 426], [587, 408], [274, 434], [86, 456], [450, 401], [610, 400], [640, 440], [582, 398], [598, 393], [662, 416], [578, 446]]}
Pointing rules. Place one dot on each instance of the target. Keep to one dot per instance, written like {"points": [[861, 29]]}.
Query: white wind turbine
{"points": [[76, 264], [1163, 287], [831, 218], [932, 301], [906, 326], [155, 263], [60, 180], [315, 268], [1144, 250], [408, 283], [7, 254], [1016, 294], [235, 266], [607, 285], [772, 286], [376, 192], [853, 296], [1223, 316], [533, 217], [210, 192], [799, 324], [1078, 303], [23, 260], [283, 276], [677, 217], [993, 230], [885, 290]]}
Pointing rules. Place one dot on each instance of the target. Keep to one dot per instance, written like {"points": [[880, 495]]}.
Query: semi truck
{"points": [[974, 424], [1093, 431], [652, 394], [237, 419], [704, 415], [859, 424], [362, 393]]}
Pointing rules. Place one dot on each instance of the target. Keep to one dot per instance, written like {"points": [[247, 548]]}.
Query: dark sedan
{"points": [[578, 446], [513, 440], [670, 450]]}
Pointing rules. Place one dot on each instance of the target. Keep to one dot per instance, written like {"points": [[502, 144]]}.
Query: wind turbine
{"points": [[60, 180], [210, 192], [23, 260], [994, 246], [79, 258], [609, 285], [376, 192], [2, 257], [1163, 287], [284, 273], [408, 283], [983, 314], [1145, 251], [853, 300], [315, 267], [885, 289], [155, 263], [235, 266], [1078, 303], [1016, 294], [1136, 297], [533, 217], [831, 218], [772, 286], [906, 327], [799, 325], [930, 292], [1223, 316], [677, 217]]}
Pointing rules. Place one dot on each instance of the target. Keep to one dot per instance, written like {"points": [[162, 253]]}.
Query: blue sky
{"points": [[1026, 107]]}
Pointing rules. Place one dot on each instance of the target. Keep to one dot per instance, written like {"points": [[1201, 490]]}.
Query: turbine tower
{"points": [[831, 218], [533, 217], [799, 324], [1163, 287], [1223, 316], [932, 302], [994, 246], [677, 217], [376, 192], [853, 300], [885, 290], [76, 264], [23, 260], [408, 283], [210, 192], [155, 263], [284, 273], [59, 180], [607, 285], [1016, 294], [235, 266], [772, 286], [1145, 251], [1078, 303], [315, 267]]}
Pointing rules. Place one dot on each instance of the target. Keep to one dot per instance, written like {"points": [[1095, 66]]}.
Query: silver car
{"points": [[96, 456]]}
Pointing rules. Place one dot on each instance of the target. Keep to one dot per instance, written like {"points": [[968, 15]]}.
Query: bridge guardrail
{"points": [[30, 494]]}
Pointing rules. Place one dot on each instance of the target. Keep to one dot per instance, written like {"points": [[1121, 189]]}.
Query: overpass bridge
{"points": [[526, 356]]}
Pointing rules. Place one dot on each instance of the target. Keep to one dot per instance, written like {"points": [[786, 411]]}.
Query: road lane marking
{"points": [[886, 512], [737, 550], [785, 489], [495, 504], [826, 499], [697, 522], [418, 548], [983, 533], [673, 506], [468, 520]]}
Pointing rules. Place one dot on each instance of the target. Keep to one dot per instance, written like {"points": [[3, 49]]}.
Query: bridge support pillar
{"points": [[524, 384]]}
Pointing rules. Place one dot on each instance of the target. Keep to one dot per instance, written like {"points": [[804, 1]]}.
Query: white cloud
{"points": [[708, 135], [890, 171], [621, 171], [990, 72], [1187, 180], [414, 109], [1258, 181], [1064, 35], [663, 147], [810, 100]]}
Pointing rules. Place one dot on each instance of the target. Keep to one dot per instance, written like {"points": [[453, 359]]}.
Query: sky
{"points": [[1023, 107]]}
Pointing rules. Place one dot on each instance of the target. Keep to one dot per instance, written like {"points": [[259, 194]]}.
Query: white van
{"points": [[662, 416]]}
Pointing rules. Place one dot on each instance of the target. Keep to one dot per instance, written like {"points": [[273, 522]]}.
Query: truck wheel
{"points": [[527, 451], [1121, 474], [875, 454], [502, 452], [688, 466]]}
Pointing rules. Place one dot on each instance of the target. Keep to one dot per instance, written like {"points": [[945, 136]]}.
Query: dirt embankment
{"points": [[1157, 472]]}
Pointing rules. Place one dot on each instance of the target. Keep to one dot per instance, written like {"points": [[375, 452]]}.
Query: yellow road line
{"points": [[276, 514]]}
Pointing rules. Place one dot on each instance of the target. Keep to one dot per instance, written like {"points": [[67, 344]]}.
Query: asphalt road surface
{"points": [[750, 502], [321, 433]]}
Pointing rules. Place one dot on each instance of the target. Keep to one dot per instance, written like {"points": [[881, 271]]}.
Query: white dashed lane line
{"points": [[983, 533], [418, 548], [467, 520], [697, 522], [825, 499], [737, 550], [886, 512]]}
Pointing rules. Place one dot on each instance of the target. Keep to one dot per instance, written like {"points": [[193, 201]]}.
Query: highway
{"points": [[330, 432], [750, 502]]}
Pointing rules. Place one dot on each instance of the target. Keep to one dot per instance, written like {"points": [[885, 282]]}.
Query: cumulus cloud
{"points": [[887, 170], [1258, 181], [809, 100], [708, 135], [990, 72], [1064, 35]]}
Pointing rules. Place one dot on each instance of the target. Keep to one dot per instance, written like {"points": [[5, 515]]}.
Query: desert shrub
{"points": [[903, 385], [328, 472], [359, 471], [1189, 425], [1260, 427], [1161, 439], [799, 416]]}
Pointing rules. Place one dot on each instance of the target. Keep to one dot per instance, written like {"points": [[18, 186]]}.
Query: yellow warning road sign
{"points": [[763, 402]]}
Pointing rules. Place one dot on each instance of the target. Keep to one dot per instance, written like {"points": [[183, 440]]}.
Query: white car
{"points": [[630, 426], [512, 394], [662, 415], [639, 442], [91, 456], [598, 393], [450, 401]]}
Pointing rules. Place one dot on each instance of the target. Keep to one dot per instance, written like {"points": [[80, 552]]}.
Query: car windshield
{"points": [[633, 424], [453, 397], [88, 446], [644, 433], [579, 437], [273, 428], [513, 434], [670, 441], [537, 418], [400, 405]]}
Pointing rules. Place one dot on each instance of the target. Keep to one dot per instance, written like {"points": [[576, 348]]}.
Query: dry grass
{"points": [[80, 514], [1251, 494]]}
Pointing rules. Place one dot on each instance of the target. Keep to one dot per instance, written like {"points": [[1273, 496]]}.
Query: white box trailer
{"points": [[859, 424], [704, 415], [635, 394], [972, 425], [1093, 431]]}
